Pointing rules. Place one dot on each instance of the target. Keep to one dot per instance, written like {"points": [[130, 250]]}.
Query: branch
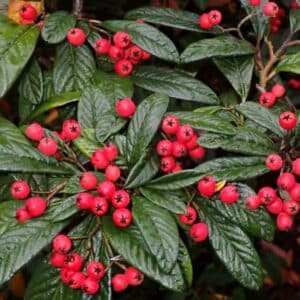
{"points": [[77, 7]]}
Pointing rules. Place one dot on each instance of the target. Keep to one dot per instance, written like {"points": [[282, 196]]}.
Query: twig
{"points": [[55, 191], [77, 7]]}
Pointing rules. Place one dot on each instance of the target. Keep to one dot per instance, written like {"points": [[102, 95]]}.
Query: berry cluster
{"points": [[278, 20], [210, 19], [269, 98], [185, 143], [28, 14]]}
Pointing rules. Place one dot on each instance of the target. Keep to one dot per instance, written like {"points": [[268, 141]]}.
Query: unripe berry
{"points": [[22, 215], [170, 125], [274, 162], [48, 146], [76, 280], [199, 232], [295, 192], [179, 149], [90, 286], [100, 206], [215, 17], [284, 221], [102, 46], [106, 189], [88, 181], [267, 195], [267, 99], [278, 90], [164, 148], [134, 276], [28, 12], [120, 199], [95, 270], [270, 9], [286, 181], [123, 67], [36, 206], [121, 39], [207, 186], [291, 207], [288, 120], [204, 22], [252, 202], [73, 262], [65, 275], [57, 259], [84, 200], [119, 282], [125, 108], [62, 243], [122, 217], [275, 207], [197, 153], [111, 151], [35, 132], [20, 189], [112, 173], [167, 164], [189, 217], [99, 159], [229, 194], [192, 143], [76, 36], [296, 167], [71, 129], [115, 53], [254, 2], [184, 134]]}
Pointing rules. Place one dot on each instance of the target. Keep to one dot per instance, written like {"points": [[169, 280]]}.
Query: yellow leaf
{"points": [[220, 185]]}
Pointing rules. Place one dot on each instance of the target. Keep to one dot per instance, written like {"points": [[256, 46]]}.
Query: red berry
{"points": [[170, 125], [90, 286], [121, 39], [48, 146], [26, 22], [65, 275], [177, 168], [146, 55], [179, 149], [36, 206], [215, 17], [199, 232], [267, 195], [22, 215], [35, 132], [274, 162], [76, 280], [119, 282], [197, 153], [184, 134], [71, 129], [88, 181], [252, 202], [296, 167], [122, 217], [229, 194], [189, 217], [164, 148], [288, 120], [99, 159], [120, 199], [284, 221], [204, 22], [125, 108], [112, 173], [278, 90], [115, 53], [206, 186], [254, 2], [123, 67], [275, 207], [111, 151], [294, 4], [20, 189], [95, 270], [286, 181], [134, 276], [102, 46], [267, 99], [62, 243], [167, 164], [28, 12], [135, 53], [295, 192], [57, 259], [192, 144], [84, 200], [106, 189], [76, 36], [73, 262], [291, 207], [100, 206], [270, 9]]}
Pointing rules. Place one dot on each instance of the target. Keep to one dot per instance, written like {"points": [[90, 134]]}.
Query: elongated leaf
{"points": [[238, 71], [261, 115], [221, 46], [232, 246], [294, 20], [87, 144], [185, 264], [174, 83], [57, 26], [289, 63], [16, 47], [159, 231], [144, 125], [147, 37], [73, 68], [174, 201]]}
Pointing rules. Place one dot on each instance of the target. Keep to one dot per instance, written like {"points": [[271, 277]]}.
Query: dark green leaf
{"points": [[294, 20], [57, 26], [174, 83], [25, 108], [147, 37], [92, 37], [221, 46], [87, 143], [289, 63], [185, 264], [48, 85]]}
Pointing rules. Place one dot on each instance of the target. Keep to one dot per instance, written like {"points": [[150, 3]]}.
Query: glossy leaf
{"points": [[289, 63], [185, 264], [174, 83], [87, 144], [294, 20]]}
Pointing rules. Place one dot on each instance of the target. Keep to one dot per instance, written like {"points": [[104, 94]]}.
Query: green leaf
{"points": [[169, 17], [86, 144], [289, 63], [16, 47], [232, 246], [31, 86], [57, 26], [205, 121], [261, 115], [73, 68], [55, 101], [159, 231], [238, 71], [174, 83], [129, 242], [294, 20], [147, 37], [174, 201], [185, 264], [144, 125], [221, 46]]}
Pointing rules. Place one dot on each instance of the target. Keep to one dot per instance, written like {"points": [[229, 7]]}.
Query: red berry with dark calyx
{"points": [[88, 181], [84, 200], [189, 217], [177, 168], [119, 282], [120, 199], [229, 194], [35, 132], [164, 148], [22, 215], [184, 134], [207, 186], [48, 146], [278, 90], [73, 262], [106, 189], [28, 12], [134, 276], [179, 149], [215, 17], [62, 243], [121, 39], [102, 46], [288, 120], [267, 99], [254, 2], [36, 206], [76, 280], [270, 9], [284, 221], [71, 129], [274, 162], [275, 207], [95, 270], [267, 195], [199, 232], [100, 206], [125, 108], [123, 67], [291, 207], [252, 202], [167, 164], [76, 36], [90, 286], [65, 275], [204, 22], [135, 53], [192, 143], [170, 125], [115, 53], [122, 217], [295, 192], [20, 189], [111, 151], [286, 181], [57, 259], [112, 173], [99, 159], [296, 167], [197, 153]]}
